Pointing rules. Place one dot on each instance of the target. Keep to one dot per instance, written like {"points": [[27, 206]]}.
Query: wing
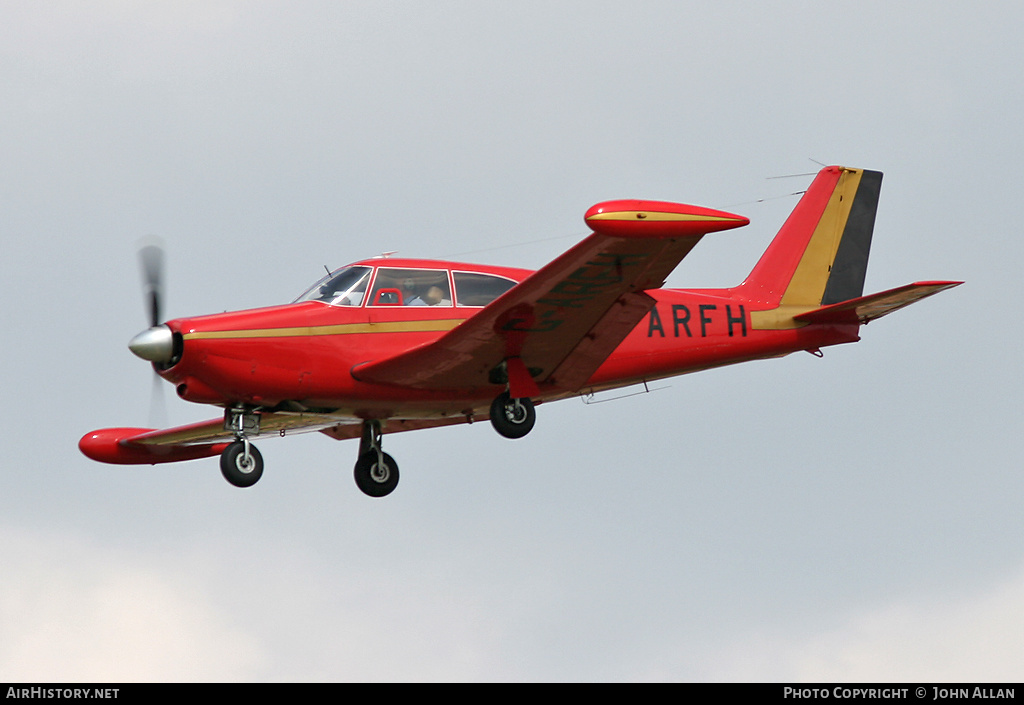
{"points": [[132, 446], [198, 440], [557, 326]]}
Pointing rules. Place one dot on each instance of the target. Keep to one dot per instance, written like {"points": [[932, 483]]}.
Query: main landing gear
{"points": [[240, 463], [376, 472], [512, 418]]}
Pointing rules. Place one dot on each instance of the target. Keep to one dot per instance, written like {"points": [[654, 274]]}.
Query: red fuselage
{"points": [[305, 352]]}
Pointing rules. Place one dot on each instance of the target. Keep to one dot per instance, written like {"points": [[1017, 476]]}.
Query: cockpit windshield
{"points": [[342, 287]]}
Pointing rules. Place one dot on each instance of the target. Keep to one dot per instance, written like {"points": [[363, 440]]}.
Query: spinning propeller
{"points": [[152, 259], [156, 343]]}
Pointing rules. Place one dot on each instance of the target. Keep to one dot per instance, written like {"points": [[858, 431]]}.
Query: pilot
{"points": [[434, 296]]}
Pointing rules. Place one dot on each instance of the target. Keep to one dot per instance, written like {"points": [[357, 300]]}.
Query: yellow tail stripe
{"points": [[808, 283]]}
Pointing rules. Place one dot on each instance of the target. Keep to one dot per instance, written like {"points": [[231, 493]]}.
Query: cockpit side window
{"points": [[411, 287], [473, 289], [343, 287]]}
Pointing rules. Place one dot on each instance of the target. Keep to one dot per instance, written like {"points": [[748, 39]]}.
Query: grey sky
{"points": [[850, 518]]}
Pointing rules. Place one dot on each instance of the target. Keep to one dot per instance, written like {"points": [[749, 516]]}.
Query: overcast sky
{"points": [[855, 517]]}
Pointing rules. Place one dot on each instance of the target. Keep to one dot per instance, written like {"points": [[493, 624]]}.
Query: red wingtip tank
{"points": [[108, 446], [636, 218]]}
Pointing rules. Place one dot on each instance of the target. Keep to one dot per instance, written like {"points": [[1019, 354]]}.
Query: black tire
{"points": [[236, 469], [374, 479], [512, 418]]}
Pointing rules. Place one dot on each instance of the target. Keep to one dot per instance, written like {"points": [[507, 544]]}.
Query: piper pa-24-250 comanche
{"points": [[388, 345]]}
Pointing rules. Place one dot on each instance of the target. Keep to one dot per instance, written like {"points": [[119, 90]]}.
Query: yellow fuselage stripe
{"points": [[435, 326]]}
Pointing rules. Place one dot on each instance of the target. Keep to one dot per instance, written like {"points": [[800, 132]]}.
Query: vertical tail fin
{"points": [[820, 255]]}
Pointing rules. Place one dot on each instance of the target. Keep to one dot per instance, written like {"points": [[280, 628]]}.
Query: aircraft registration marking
{"points": [[681, 318]]}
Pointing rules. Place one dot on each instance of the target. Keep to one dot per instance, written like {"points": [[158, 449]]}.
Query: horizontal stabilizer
{"points": [[868, 308]]}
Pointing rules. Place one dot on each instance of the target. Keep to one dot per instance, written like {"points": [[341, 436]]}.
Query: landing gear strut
{"points": [[512, 418], [240, 463], [376, 472]]}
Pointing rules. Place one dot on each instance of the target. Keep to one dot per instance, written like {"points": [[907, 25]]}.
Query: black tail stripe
{"points": [[846, 279]]}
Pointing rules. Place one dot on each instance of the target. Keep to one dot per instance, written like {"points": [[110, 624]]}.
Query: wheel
{"points": [[239, 469], [373, 477], [512, 418]]}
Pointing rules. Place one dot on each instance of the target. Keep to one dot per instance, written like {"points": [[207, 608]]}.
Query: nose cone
{"points": [[155, 344]]}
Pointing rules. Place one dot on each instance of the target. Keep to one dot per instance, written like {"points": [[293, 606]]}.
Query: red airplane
{"points": [[387, 345]]}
